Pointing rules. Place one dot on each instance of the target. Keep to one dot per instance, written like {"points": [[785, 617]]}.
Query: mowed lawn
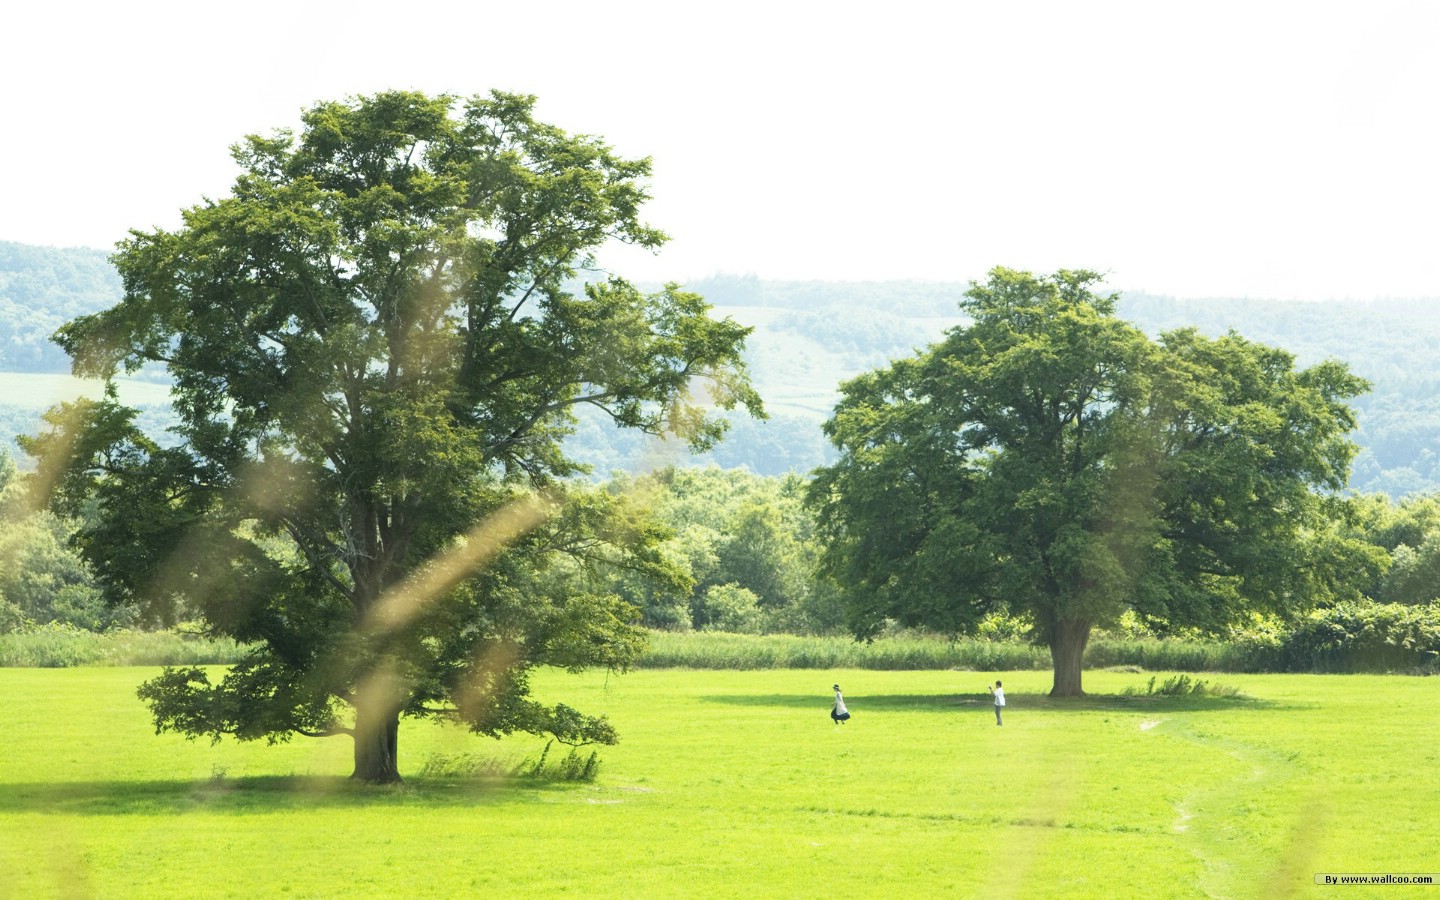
{"points": [[736, 784]]}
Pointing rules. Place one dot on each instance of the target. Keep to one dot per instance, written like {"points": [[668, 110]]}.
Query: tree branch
{"points": [[329, 732]]}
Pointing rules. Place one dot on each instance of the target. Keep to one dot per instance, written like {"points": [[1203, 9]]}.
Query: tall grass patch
{"points": [[1357, 639], [740, 652], [1346, 639], [55, 645]]}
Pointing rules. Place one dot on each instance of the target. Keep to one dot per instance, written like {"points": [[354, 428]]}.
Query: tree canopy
{"points": [[377, 342], [1049, 458], [747, 545]]}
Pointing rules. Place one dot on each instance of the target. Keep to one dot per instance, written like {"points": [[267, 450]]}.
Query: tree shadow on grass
{"points": [[261, 794], [949, 702]]}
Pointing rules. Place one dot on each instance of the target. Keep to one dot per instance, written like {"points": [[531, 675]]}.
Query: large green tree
{"points": [[376, 343], [1049, 458]]}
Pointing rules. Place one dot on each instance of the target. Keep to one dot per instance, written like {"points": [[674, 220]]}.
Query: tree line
{"points": [[744, 554]]}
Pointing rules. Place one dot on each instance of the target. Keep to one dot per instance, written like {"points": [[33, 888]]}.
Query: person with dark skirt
{"points": [[838, 712]]}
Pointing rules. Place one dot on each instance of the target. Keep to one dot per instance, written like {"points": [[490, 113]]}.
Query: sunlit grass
{"points": [[736, 784]]}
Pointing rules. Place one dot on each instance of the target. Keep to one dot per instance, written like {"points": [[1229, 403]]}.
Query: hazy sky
{"points": [[1263, 149]]}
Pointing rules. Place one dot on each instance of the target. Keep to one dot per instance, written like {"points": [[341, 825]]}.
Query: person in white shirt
{"points": [[999, 693], [838, 712]]}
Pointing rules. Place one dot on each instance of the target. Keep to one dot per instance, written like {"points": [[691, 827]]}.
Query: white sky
{"points": [[1264, 149]]}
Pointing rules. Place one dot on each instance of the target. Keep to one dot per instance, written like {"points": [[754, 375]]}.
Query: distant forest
{"points": [[811, 336]]}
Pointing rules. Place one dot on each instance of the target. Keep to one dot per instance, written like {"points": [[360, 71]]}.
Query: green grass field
{"points": [[736, 784]]}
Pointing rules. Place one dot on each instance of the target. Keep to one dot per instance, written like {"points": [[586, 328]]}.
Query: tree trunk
{"points": [[377, 732], [1068, 638]]}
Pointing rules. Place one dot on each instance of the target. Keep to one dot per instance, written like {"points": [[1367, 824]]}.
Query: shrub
{"points": [[1363, 637], [1183, 686], [572, 767]]}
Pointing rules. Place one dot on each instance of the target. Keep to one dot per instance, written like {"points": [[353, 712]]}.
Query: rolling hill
{"points": [[808, 338]]}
